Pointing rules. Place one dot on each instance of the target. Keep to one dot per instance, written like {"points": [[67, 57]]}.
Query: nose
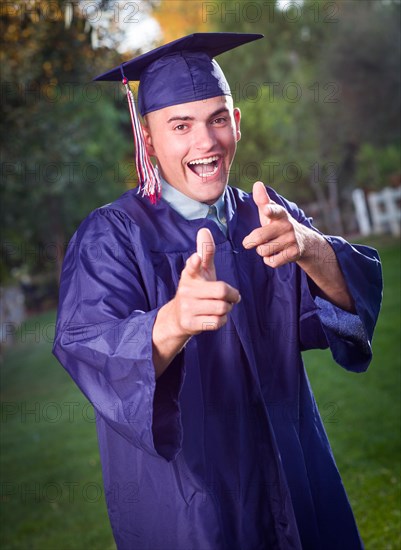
{"points": [[205, 137]]}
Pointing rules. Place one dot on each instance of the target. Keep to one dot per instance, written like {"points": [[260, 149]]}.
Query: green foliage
{"points": [[343, 58], [66, 152], [319, 96], [270, 145], [63, 165], [362, 54], [378, 167]]}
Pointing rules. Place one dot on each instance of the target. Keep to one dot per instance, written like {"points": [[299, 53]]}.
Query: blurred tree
{"points": [[363, 55], [376, 165], [65, 153], [360, 55], [324, 81]]}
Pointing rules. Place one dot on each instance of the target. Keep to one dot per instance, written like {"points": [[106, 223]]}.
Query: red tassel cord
{"points": [[149, 180]]}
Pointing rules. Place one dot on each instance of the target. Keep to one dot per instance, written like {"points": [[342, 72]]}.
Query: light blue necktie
{"points": [[212, 215]]}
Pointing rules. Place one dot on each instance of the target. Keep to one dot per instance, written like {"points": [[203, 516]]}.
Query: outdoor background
{"points": [[320, 100]]}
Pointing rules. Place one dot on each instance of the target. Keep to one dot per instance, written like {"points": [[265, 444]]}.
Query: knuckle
{"points": [[222, 308], [261, 250], [182, 288], [221, 290], [188, 268]]}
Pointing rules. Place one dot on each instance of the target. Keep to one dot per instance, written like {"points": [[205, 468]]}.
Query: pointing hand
{"points": [[280, 239], [202, 302]]}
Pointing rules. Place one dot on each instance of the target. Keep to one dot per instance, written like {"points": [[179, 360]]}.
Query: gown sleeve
{"points": [[104, 335], [348, 335]]}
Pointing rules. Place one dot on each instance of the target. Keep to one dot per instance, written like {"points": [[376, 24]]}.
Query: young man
{"points": [[183, 320]]}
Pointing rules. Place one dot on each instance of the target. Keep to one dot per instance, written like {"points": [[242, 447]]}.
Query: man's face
{"points": [[194, 144]]}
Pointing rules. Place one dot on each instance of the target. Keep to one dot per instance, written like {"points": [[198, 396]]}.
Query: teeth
{"points": [[204, 161]]}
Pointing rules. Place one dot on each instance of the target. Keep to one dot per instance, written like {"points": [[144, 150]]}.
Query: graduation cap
{"points": [[179, 72]]}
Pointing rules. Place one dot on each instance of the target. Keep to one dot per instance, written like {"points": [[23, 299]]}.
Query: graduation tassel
{"points": [[149, 180]]}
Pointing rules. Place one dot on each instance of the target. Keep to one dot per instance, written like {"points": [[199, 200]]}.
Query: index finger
{"points": [[206, 248], [260, 235]]}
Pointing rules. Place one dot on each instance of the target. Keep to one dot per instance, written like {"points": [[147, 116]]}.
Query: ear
{"points": [[237, 119], [148, 139]]}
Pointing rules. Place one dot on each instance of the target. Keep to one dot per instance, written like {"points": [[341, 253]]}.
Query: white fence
{"points": [[378, 212], [12, 313]]}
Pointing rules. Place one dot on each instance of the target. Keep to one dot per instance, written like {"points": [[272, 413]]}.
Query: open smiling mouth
{"points": [[205, 168]]}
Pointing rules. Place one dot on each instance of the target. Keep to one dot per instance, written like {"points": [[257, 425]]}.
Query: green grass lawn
{"points": [[363, 419], [52, 493], [51, 488]]}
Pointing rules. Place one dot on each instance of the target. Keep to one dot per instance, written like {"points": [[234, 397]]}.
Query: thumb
{"points": [[193, 266], [205, 249], [262, 201]]}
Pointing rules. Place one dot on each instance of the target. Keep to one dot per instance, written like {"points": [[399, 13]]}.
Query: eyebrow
{"points": [[185, 118]]}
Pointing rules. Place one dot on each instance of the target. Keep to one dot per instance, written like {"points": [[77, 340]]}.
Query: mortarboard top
{"points": [[211, 43], [180, 71]]}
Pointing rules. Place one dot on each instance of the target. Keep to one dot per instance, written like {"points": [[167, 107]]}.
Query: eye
{"points": [[180, 127], [219, 120]]}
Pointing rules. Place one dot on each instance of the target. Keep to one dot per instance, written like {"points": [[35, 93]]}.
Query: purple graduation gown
{"points": [[226, 450]]}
